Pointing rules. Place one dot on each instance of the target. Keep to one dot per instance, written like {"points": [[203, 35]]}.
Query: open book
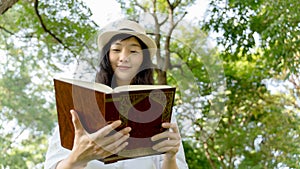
{"points": [[142, 107]]}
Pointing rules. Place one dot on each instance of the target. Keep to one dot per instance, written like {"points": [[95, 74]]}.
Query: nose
{"points": [[124, 56]]}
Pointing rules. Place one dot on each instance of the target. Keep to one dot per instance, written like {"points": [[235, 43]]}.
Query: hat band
{"points": [[126, 29]]}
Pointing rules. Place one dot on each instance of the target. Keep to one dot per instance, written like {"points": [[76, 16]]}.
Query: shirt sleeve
{"points": [[55, 152], [180, 158]]}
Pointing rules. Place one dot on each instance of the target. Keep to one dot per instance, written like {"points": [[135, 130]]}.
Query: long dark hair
{"points": [[105, 74]]}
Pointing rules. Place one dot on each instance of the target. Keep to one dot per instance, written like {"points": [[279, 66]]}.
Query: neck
{"points": [[123, 83]]}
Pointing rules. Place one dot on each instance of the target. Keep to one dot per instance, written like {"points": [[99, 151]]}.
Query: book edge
{"points": [[86, 84], [106, 89], [140, 87]]}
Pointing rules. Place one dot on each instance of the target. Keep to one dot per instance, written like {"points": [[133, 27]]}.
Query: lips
{"points": [[122, 67]]}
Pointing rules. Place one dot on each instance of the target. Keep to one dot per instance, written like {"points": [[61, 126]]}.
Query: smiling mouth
{"points": [[123, 67]]}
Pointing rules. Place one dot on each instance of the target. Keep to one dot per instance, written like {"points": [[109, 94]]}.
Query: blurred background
{"points": [[235, 64]]}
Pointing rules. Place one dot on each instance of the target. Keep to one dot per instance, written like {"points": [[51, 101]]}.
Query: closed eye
{"points": [[135, 51], [116, 50]]}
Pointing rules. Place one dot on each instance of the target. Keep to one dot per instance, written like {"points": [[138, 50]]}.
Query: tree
{"points": [[36, 36], [271, 26], [165, 16], [5, 5], [245, 135], [259, 127], [228, 116], [187, 61]]}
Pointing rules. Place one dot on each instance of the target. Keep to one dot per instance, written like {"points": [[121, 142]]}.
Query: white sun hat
{"points": [[127, 27]]}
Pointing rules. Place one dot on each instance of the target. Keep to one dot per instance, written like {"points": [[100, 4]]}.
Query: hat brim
{"points": [[105, 37]]}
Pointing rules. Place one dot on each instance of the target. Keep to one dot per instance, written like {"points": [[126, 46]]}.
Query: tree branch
{"points": [[6, 30], [6, 4], [9, 146], [170, 5], [208, 156], [16, 35], [36, 5], [295, 81], [176, 3], [168, 39], [139, 5], [164, 21], [219, 156], [176, 23]]}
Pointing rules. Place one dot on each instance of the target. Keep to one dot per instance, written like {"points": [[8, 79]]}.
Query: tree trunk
{"points": [[161, 77], [5, 5]]}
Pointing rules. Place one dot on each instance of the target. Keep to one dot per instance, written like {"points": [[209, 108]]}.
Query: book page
{"points": [[106, 89], [89, 85], [139, 87]]}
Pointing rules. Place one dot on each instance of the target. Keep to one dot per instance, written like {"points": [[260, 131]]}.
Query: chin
{"points": [[124, 78]]}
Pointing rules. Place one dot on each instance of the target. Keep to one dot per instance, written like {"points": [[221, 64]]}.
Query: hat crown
{"points": [[127, 25]]}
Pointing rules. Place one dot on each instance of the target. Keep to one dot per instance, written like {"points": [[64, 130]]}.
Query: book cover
{"points": [[144, 110]]}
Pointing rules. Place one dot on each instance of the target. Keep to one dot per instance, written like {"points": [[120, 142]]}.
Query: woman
{"points": [[126, 53]]}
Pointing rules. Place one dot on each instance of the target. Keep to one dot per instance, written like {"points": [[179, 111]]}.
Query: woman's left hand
{"points": [[171, 144]]}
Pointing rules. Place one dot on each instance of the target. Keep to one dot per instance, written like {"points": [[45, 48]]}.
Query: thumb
{"points": [[76, 121]]}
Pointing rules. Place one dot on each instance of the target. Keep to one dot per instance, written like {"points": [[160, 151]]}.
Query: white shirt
{"points": [[57, 153]]}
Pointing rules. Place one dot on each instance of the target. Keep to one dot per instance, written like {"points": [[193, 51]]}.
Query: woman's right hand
{"points": [[93, 146]]}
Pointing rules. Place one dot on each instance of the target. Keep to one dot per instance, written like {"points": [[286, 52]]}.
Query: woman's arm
{"points": [[170, 146], [93, 146]]}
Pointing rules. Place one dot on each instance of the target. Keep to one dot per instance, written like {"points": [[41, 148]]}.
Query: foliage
{"points": [[194, 157], [260, 42], [193, 67], [246, 24], [254, 122], [37, 38], [228, 116]]}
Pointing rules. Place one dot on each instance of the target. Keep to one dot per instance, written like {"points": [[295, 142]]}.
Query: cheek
{"points": [[113, 61], [137, 61]]}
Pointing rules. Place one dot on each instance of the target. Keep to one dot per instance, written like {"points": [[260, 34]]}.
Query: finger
{"points": [[107, 129], [120, 148], [172, 126], [167, 143], [125, 130], [115, 137], [167, 149], [114, 146], [166, 135], [159, 136], [115, 151], [76, 121]]}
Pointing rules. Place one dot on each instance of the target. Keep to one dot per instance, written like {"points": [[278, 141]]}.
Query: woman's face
{"points": [[126, 57]]}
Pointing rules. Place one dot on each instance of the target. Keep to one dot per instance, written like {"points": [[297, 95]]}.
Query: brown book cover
{"points": [[142, 107]]}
